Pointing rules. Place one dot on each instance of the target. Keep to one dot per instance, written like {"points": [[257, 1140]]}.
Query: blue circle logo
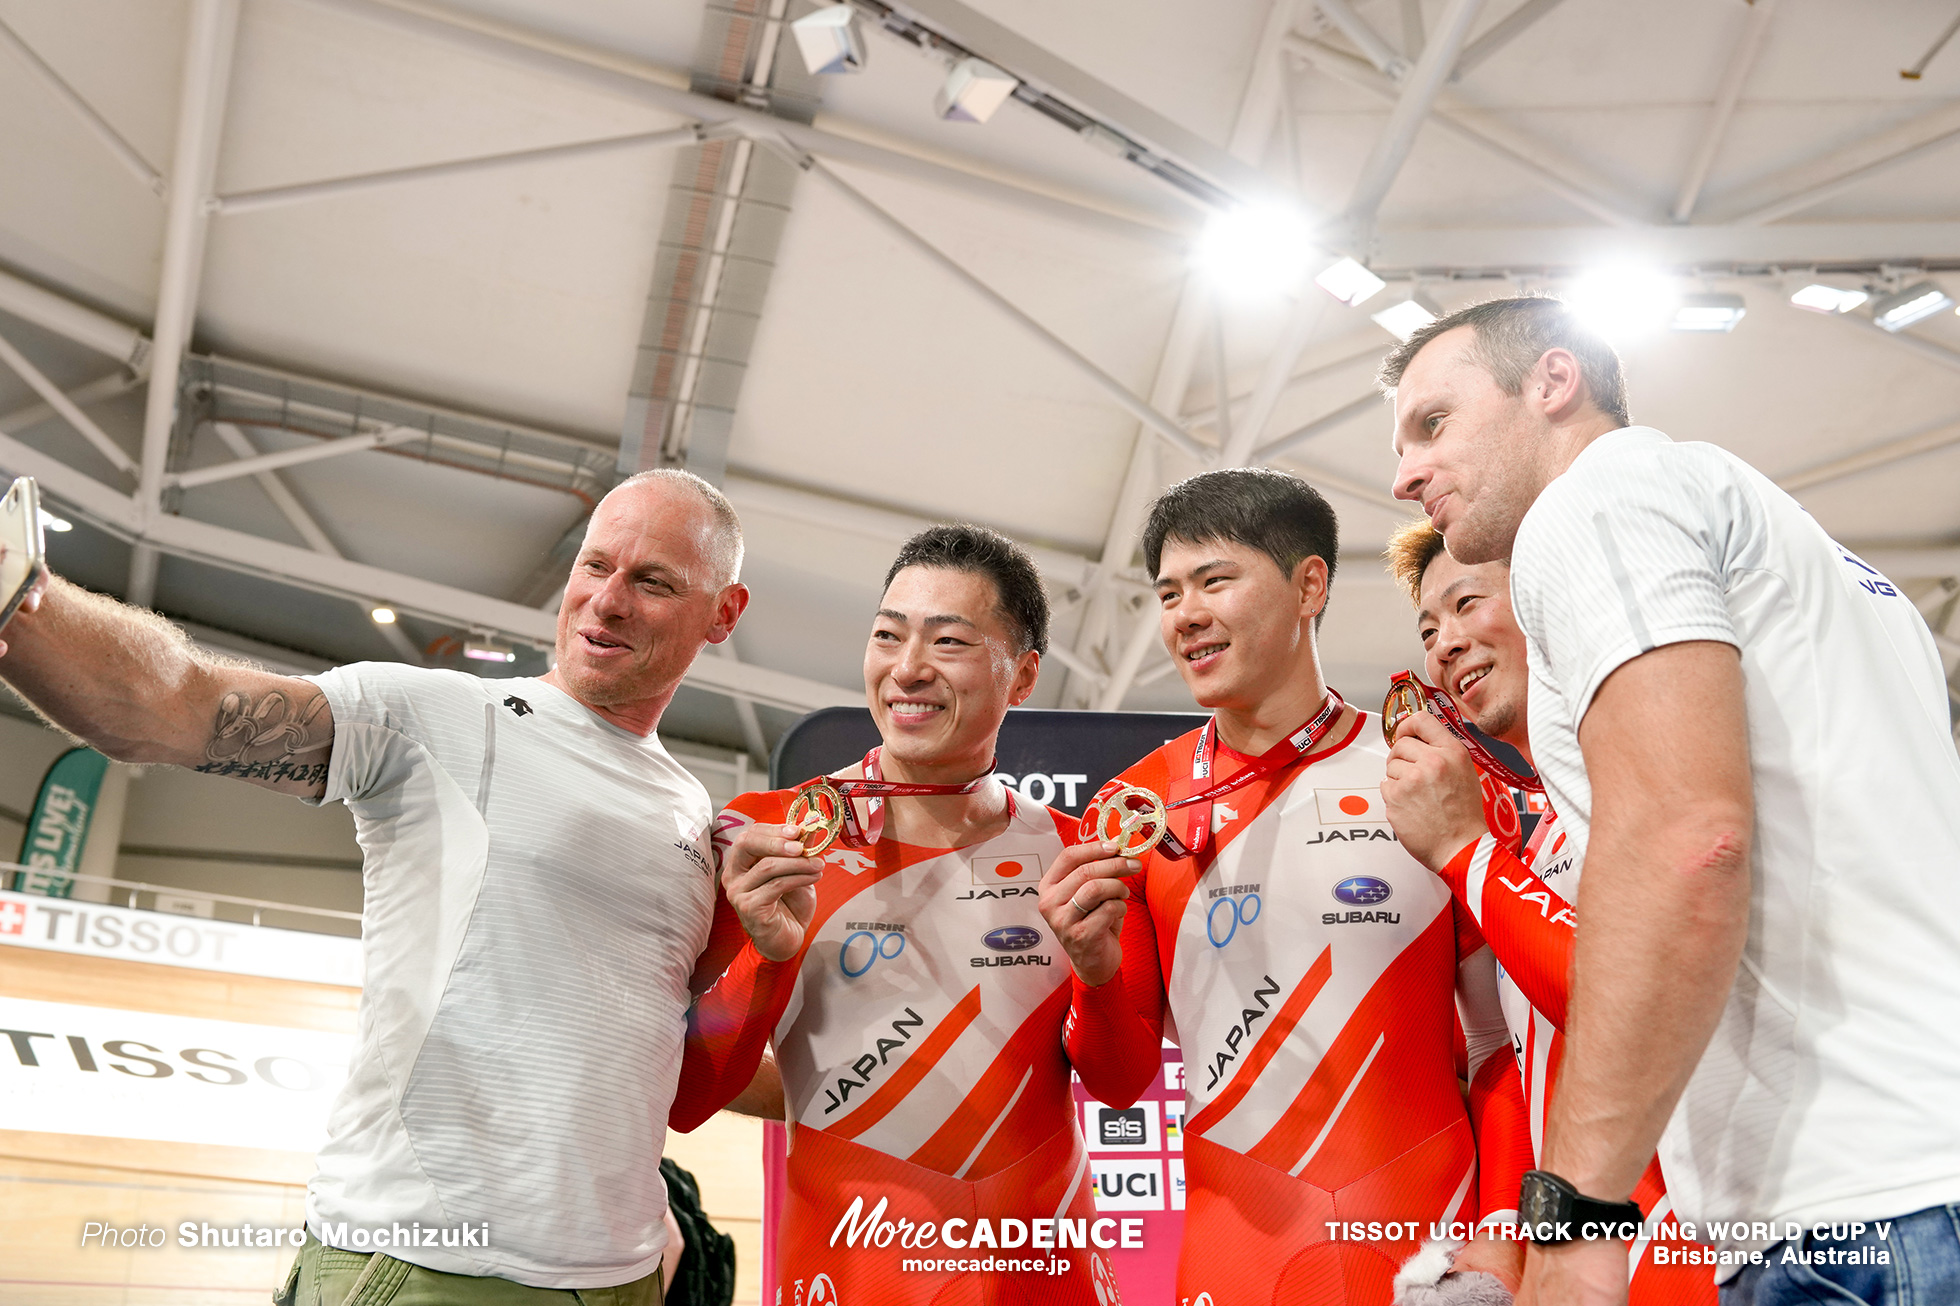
{"points": [[1227, 914], [1012, 938], [1362, 891], [876, 947]]}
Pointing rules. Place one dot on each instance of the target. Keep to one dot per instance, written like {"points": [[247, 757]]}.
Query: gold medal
{"points": [[1405, 698], [1138, 816], [816, 814]]}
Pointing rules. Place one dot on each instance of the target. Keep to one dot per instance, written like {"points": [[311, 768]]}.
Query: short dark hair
{"points": [[1017, 581], [1274, 512], [1511, 336]]}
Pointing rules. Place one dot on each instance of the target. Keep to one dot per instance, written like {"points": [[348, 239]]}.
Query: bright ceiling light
{"points": [[383, 616], [1708, 313], [831, 40], [1913, 304], [50, 522], [1349, 282], [1820, 298], [973, 90], [1256, 248], [1619, 302], [1407, 316], [488, 650]]}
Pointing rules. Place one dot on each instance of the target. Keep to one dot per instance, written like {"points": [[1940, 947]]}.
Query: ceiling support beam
{"points": [[251, 201], [1163, 424], [1252, 131], [314, 534], [122, 515], [200, 118], [1144, 635], [94, 392], [1308, 308], [828, 136], [76, 322], [1500, 34], [1754, 32], [1796, 189], [1208, 414], [744, 709], [1060, 569], [1926, 349], [1419, 92], [1527, 155], [306, 453], [1366, 39], [1370, 402], [126, 154], [1933, 435], [70, 411]]}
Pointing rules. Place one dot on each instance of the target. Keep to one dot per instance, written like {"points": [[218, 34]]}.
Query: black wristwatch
{"points": [[1550, 1210]]}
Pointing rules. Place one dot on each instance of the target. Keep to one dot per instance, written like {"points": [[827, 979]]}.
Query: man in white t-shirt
{"points": [[1745, 729], [539, 885]]}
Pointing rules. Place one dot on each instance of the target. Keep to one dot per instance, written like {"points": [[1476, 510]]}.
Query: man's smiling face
{"points": [[1468, 450], [942, 667], [1233, 624], [643, 595], [1472, 646]]}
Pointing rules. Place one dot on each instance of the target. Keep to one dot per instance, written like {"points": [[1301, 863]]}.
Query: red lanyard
{"points": [[828, 800], [1286, 752], [1439, 705]]}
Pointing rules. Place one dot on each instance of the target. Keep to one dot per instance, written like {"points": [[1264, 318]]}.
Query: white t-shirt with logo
{"points": [[538, 886], [1831, 1088]]}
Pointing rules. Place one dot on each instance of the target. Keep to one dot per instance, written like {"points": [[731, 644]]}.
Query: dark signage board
{"points": [[1053, 757]]}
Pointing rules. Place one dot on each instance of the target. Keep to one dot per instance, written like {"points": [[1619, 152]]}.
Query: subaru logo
{"points": [[1012, 938], [1362, 891]]}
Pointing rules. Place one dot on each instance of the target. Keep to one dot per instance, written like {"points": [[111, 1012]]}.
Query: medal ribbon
{"points": [[874, 789], [1445, 710], [1286, 752]]}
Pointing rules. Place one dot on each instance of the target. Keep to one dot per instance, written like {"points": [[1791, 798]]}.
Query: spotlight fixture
{"points": [[1915, 303], [1256, 248], [383, 616], [1820, 298], [830, 39], [1708, 313], [1349, 282], [973, 90], [488, 650], [1624, 301], [1407, 316], [50, 522]]}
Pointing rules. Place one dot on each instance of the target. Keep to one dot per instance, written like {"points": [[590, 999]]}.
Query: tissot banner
{"points": [[70, 1069], [57, 830], [97, 929]]}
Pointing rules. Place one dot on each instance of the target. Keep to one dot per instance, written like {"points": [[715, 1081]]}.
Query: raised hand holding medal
{"points": [[1137, 820], [1429, 743]]}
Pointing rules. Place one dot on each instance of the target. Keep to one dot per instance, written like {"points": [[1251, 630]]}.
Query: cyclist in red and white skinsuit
{"points": [[915, 997], [1475, 651], [1310, 964]]}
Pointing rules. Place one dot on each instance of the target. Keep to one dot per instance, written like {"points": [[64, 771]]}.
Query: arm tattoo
{"points": [[258, 739]]}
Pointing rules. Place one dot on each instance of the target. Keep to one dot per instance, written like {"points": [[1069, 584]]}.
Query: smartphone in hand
{"points": [[23, 549]]}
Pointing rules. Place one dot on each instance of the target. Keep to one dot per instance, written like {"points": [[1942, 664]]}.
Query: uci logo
{"points": [[1362, 891], [1225, 915], [1012, 938], [869, 948]]}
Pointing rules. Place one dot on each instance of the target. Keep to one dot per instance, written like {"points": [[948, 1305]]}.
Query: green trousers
{"points": [[327, 1276]]}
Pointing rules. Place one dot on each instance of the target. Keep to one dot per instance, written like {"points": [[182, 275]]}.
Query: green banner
{"points": [[57, 830]]}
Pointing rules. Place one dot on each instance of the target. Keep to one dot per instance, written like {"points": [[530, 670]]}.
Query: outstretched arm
{"points": [[130, 685]]}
